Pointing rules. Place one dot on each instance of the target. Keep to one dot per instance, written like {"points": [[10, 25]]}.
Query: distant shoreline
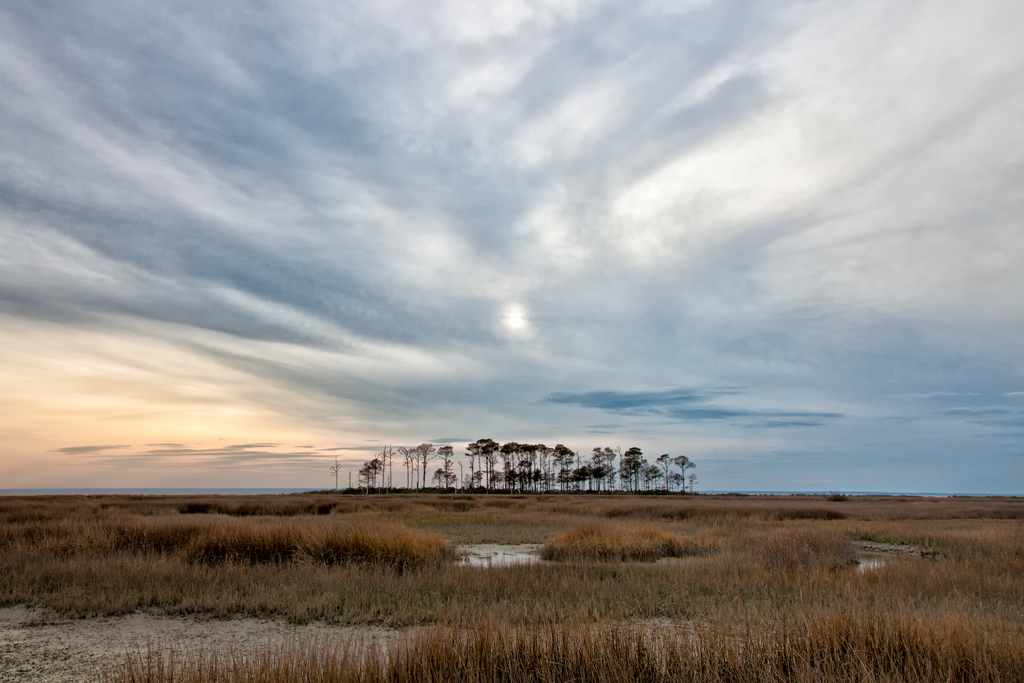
{"points": [[282, 491]]}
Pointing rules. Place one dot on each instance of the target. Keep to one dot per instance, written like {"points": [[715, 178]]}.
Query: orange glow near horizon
{"points": [[93, 389]]}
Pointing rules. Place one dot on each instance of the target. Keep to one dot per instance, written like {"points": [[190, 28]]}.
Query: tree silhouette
{"points": [[485, 450], [508, 452], [526, 468], [665, 462], [683, 463], [446, 453], [562, 459], [630, 467], [335, 469], [425, 452]]}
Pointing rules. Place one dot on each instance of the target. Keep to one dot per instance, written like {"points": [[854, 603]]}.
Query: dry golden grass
{"points": [[623, 542], [652, 507], [815, 647], [763, 589], [218, 540], [804, 548], [381, 543]]}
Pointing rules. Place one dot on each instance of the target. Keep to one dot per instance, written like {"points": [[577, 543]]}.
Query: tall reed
{"points": [[816, 647]]}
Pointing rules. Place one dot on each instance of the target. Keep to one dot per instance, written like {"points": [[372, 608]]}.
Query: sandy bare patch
{"points": [[35, 648], [904, 549]]}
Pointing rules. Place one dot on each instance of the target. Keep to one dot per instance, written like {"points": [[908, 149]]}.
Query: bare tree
{"points": [[384, 459], [693, 481], [409, 456], [335, 469], [390, 459]]}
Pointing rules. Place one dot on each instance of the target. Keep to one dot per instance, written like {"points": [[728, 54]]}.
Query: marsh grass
{"points": [[216, 540], [804, 548], [623, 542], [815, 647], [763, 594], [730, 507], [381, 543]]}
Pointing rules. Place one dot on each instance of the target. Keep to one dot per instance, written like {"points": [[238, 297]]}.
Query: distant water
{"points": [[143, 492], [934, 494], [242, 492]]}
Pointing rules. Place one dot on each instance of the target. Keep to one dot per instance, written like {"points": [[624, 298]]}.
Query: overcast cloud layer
{"points": [[785, 239]]}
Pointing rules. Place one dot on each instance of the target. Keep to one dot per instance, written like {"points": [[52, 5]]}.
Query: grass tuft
{"points": [[218, 540], [804, 548], [621, 542]]}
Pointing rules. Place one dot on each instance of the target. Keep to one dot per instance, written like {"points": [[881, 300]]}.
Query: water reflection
{"points": [[497, 555], [867, 562]]}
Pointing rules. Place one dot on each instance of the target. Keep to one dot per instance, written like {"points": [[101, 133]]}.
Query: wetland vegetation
{"points": [[711, 588]]}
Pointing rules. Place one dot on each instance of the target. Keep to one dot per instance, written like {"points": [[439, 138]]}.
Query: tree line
{"points": [[526, 468]]}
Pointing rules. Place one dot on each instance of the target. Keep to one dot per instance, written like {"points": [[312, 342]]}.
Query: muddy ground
{"points": [[36, 648]]}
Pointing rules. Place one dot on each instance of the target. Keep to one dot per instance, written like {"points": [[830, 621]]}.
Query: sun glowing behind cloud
{"points": [[515, 321]]}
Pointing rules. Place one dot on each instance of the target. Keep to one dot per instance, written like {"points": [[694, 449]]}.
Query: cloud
{"points": [[402, 219], [982, 410], [679, 404], [238, 455], [992, 416], [80, 450], [625, 401], [773, 424]]}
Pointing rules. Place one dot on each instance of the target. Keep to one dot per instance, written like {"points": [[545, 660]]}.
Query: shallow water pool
{"points": [[498, 555], [867, 562]]}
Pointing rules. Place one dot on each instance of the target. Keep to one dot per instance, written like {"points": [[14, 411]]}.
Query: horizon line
{"points": [[157, 491]]}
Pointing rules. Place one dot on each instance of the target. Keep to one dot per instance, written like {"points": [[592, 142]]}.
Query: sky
{"points": [[240, 240]]}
